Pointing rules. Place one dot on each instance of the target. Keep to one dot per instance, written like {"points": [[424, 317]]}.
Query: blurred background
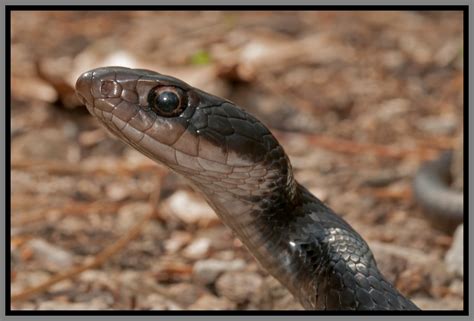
{"points": [[359, 100]]}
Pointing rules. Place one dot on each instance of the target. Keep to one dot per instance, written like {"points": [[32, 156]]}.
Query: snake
{"points": [[244, 174], [441, 203]]}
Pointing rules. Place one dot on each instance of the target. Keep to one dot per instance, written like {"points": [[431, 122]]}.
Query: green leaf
{"points": [[201, 57]]}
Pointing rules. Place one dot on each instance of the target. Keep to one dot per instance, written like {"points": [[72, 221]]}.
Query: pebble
{"points": [[117, 191], [454, 256], [211, 302], [448, 303], [190, 209], [57, 305], [438, 125], [97, 277], [408, 267], [28, 279], [392, 108], [197, 249], [130, 214], [184, 293], [176, 241], [156, 301], [238, 286], [51, 255], [207, 271], [62, 286], [457, 288], [132, 281], [411, 255]]}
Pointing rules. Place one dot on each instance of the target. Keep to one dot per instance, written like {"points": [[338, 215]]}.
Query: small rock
{"points": [[392, 108], [197, 249], [91, 137], [414, 279], [190, 209], [131, 280], [211, 302], [28, 279], [51, 255], [410, 255], [457, 287], [439, 275], [97, 277], [207, 271], [447, 303], [176, 241], [62, 286], [438, 125], [184, 293], [23, 306], [158, 302], [117, 191], [392, 59], [448, 52], [57, 305], [224, 255], [87, 189], [407, 267], [129, 214], [454, 257], [238, 286]]}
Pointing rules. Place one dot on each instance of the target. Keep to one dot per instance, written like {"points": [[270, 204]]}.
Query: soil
{"points": [[358, 100]]}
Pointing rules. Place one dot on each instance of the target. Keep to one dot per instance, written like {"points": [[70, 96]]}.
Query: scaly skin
{"points": [[245, 175]]}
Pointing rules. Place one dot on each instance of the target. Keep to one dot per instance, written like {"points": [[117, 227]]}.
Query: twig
{"points": [[65, 168], [98, 260], [69, 209], [403, 193], [352, 147]]}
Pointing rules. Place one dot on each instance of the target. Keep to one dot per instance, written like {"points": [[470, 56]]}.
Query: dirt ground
{"points": [[358, 100]]}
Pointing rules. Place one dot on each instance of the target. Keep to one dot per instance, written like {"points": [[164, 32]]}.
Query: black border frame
{"points": [[10, 8]]}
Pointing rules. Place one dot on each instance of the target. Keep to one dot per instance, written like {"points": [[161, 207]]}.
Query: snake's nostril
{"points": [[110, 89]]}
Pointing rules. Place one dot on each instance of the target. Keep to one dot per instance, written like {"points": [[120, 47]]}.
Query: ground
{"points": [[358, 100]]}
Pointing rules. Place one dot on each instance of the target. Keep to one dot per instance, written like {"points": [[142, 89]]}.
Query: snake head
{"points": [[204, 137]]}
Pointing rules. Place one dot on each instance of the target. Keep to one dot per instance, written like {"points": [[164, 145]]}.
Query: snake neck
{"points": [[258, 204], [249, 196], [301, 242]]}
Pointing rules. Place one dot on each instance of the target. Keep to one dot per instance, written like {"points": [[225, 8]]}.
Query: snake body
{"points": [[431, 189], [246, 177]]}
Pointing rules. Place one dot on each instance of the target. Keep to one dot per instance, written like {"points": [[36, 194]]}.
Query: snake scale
{"points": [[246, 177]]}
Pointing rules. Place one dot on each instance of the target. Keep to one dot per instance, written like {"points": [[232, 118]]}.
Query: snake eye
{"points": [[167, 101]]}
